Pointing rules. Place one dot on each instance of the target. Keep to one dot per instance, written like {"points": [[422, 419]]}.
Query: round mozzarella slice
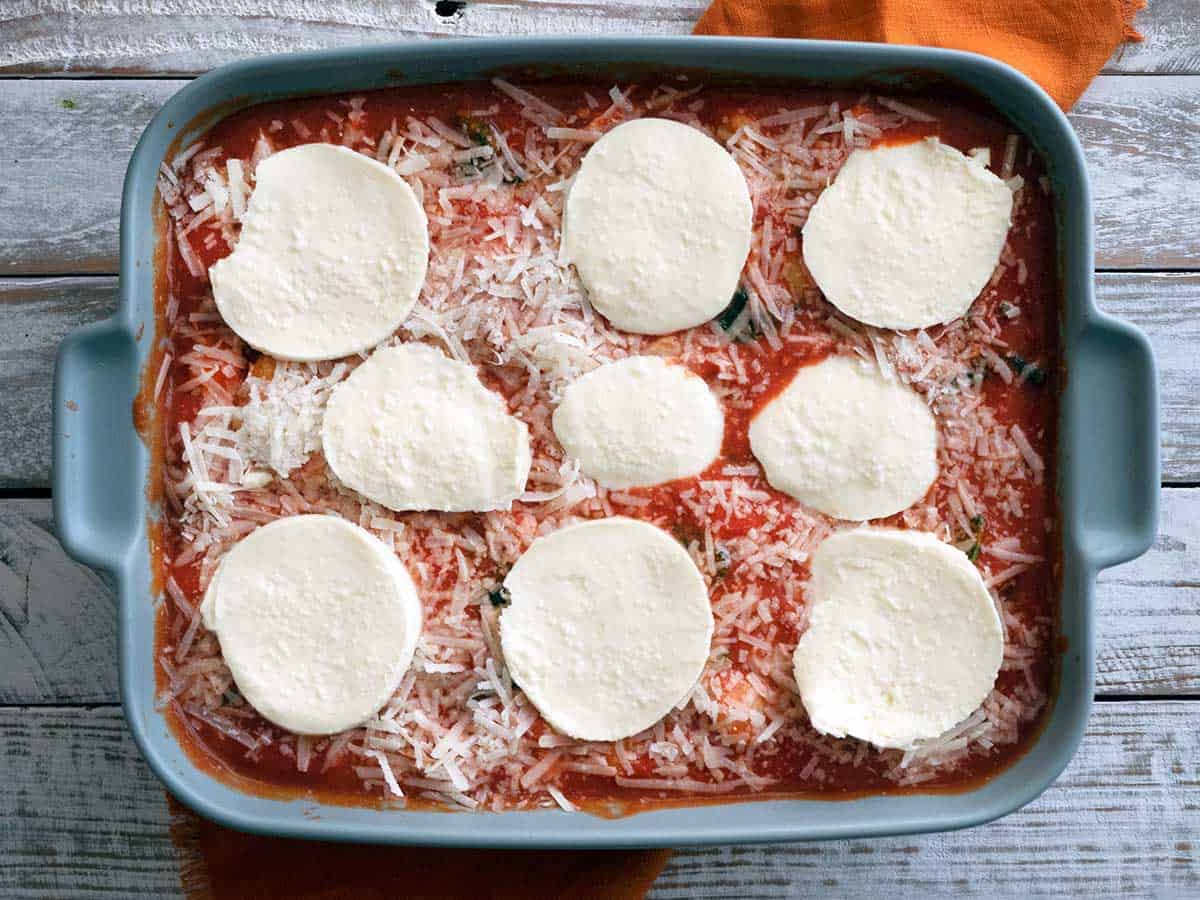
{"points": [[413, 429], [331, 256], [846, 441], [317, 619], [640, 421], [657, 224], [907, 236], [903, 640], [608, 628]]}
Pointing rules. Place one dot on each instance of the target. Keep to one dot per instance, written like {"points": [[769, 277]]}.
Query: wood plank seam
{"points": [[1148, 615], [85, 818], [140, 37], [1136, 130]]}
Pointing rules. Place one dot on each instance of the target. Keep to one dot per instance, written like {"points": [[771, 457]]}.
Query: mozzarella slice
{"points": [[907, 236], [657, 223], [640, 421], [903, 640], [847, 442], [331, 256], [317, 619], [608, 628], [412, 429]]}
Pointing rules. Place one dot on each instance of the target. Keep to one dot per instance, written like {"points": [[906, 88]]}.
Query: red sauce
{"points": [[1031, 335]]}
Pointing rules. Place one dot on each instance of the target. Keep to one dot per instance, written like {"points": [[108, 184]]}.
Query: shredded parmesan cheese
{"points": [[457, 731]]}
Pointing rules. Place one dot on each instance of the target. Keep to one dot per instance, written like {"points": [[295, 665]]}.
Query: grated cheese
{"points": [[457, 730]]}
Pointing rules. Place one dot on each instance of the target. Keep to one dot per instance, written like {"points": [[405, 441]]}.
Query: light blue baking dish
{"points": [[1108, 455]]}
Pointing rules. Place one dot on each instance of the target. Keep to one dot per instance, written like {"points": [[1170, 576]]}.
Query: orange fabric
{"points": [[220, 864], [1060, 44]]}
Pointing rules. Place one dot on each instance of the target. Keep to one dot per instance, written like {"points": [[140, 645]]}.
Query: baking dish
{"points": [[1108, 439]]}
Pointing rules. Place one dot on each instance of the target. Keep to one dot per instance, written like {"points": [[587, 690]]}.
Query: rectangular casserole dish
{"points": [[1108, 467]]}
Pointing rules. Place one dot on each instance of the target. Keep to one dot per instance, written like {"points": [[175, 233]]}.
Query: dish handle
{"points": [[94, 445], [1119, 464]]}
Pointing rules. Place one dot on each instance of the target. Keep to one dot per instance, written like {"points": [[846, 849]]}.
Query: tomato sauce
{"points": [[1032, 336]]}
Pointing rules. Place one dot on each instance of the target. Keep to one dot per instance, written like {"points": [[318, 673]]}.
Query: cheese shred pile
{"points": [[458, 732]]}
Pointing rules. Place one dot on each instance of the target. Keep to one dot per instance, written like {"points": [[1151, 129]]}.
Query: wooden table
{"points": [[81, 815]]}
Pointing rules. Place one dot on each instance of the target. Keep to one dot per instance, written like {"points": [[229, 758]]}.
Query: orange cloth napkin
{"points": [[1060, 44], [220, 864]]}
